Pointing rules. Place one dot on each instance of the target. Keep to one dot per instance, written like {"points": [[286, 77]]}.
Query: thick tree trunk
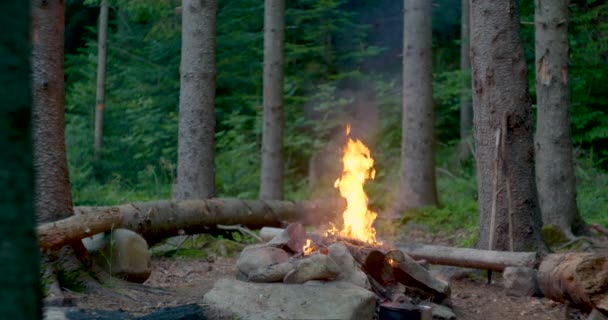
{"points": [[195, 168], [20, 294], [417, 156], [466, 108], [271, 186], [161, 219], [52, 198], [101, 78], [576, 277], [554, 160], [508, 202]]}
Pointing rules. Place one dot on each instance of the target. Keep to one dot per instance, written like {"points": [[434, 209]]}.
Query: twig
{"points": [[495, 189], [577, 239], [241, 229], [503, 142], [600, 229]]}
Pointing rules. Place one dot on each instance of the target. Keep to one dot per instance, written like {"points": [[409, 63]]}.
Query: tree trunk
{"points": [[195, 168], [554, 160], [576, 277], [508, 201], [271, 186], [20, 294], [417, 156], [52, 198], [466, 109], [161, 219], [101, 79]]}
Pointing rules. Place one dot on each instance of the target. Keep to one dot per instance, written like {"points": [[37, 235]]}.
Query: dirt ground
{"points": [[182, 280]]}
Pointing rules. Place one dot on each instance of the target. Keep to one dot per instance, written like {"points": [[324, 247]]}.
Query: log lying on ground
{"points": [[470, 258], [578, 277], [158, 220]]}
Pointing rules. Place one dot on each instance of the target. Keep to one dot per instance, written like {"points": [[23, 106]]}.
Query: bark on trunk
{"points": [[195, 168], [576, 277], [271, 186], [161, 219], [101, 79], [502, 113], [554, 160], [20, 294], [417, 156], [466, 109], [52, 197]]}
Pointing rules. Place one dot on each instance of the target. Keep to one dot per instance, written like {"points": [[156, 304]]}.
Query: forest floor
{"points": [[182, 280]]}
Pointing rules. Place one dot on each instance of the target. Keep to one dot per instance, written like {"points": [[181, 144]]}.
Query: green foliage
{"points": [[204, 246], [329, 45]]}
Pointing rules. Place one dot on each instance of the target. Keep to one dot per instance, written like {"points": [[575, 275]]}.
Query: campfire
{"points": [[349, 254]]}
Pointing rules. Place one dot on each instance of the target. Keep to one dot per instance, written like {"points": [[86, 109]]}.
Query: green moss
{"points": [[202, 247], [553, 235], [71, 280]]}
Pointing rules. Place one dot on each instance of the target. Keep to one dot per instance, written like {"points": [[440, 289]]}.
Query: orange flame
{"points": [[358, 167], [308, 248]]}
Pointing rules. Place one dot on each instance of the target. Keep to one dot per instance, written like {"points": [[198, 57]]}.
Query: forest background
{"points": [[338, 54]]}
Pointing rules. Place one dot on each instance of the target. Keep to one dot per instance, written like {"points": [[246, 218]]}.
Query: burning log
{"points": [[157, 220]]}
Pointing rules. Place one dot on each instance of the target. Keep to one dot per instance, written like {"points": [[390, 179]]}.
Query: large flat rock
{"points": [[328, 300]]}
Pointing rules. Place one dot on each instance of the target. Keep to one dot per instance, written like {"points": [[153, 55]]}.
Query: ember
{"points": [[358, 167]]}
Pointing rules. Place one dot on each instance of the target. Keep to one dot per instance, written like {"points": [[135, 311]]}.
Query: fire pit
{"points": [[350, 255]]}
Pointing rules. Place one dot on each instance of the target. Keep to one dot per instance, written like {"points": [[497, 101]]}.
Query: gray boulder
{"points": [[349, 269], [521, 281], [256, 301], [122, 253], [314, 267], [255, 259]]}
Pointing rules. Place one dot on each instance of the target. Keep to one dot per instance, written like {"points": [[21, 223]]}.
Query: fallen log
{"points": [[158, 220], [470, 258], [576, 277]]}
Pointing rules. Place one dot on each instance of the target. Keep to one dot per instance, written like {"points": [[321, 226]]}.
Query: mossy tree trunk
{"points": [[417, 143], [271, 186], [508, 203], [102, 53], [554, 156], [195, 167]]}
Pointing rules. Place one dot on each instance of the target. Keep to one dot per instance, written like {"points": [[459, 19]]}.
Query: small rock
{"points": [[521, 281], [256, 301], [314, 267], [597, 315], [441, 312], [349, 269], [293, 238], [121, 252]]}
